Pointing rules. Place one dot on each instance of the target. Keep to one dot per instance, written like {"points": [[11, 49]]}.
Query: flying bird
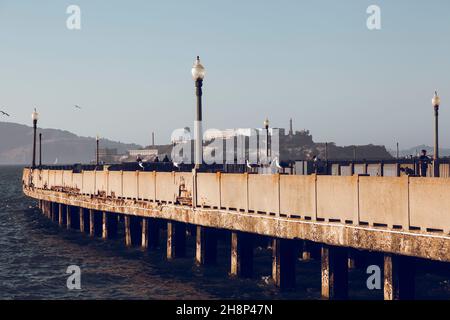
{"points": [[78, 107], [4, 113]]}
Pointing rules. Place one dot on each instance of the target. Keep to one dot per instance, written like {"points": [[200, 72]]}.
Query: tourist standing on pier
{"points": [[318, 165], [424, 160]]}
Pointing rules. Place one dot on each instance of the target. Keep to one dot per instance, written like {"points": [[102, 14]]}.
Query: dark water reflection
{"points": [[35, 253]]}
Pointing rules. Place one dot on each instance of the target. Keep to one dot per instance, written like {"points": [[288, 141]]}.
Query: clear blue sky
{"points": [[314, 61]]}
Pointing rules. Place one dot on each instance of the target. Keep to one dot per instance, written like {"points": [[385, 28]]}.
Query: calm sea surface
{"points": [[35, 253]]}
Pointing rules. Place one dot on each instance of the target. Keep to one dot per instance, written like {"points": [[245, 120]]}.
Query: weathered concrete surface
{"points": [[208, 190], [334, 266], [60, 214], [306, 251], [231, 185], [150, 233], [133, 230], [409, 243], [429, 211], [283, 263], [396, 202], [267, 185], [337, 198], [73, 219], [398, 278], [384, 200], [82, 219], [241, 255], [68, 217], [205, 246], [95, 223], [176, 240], [144, 237], [109, 225], [298, 195]]}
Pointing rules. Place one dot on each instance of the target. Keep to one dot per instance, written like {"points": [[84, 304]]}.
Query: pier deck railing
{"points": [[386, 168], [403, 203]]}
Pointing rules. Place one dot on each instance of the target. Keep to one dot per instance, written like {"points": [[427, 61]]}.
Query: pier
{"points": [[401, 217]]}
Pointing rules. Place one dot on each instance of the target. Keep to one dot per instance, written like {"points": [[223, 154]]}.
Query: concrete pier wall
{"points": [[398, 215], [400, 202], [402, 217]]}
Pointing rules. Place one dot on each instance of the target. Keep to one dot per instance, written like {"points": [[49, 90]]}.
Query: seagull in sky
{"points": [[4, 113], [78, 107]]}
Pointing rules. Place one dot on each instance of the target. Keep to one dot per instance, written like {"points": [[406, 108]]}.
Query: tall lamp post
{"points": [[436, 101], [266, 126], [97, 156], [35, 118], [40, 150], [198, 74]]}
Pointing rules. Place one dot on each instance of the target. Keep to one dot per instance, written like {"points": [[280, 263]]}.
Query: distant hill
{"points": [[16, 145], [301, 146], [443, 152]]}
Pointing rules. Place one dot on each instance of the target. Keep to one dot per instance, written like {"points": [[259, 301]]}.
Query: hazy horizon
{"points": [[392, 149], [316, 62]]}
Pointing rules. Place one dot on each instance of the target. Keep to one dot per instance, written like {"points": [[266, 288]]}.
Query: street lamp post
{"points": [[97, 157], [436, 101], [198, 74], [35, 118], [266, 126], [40, 150]]}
